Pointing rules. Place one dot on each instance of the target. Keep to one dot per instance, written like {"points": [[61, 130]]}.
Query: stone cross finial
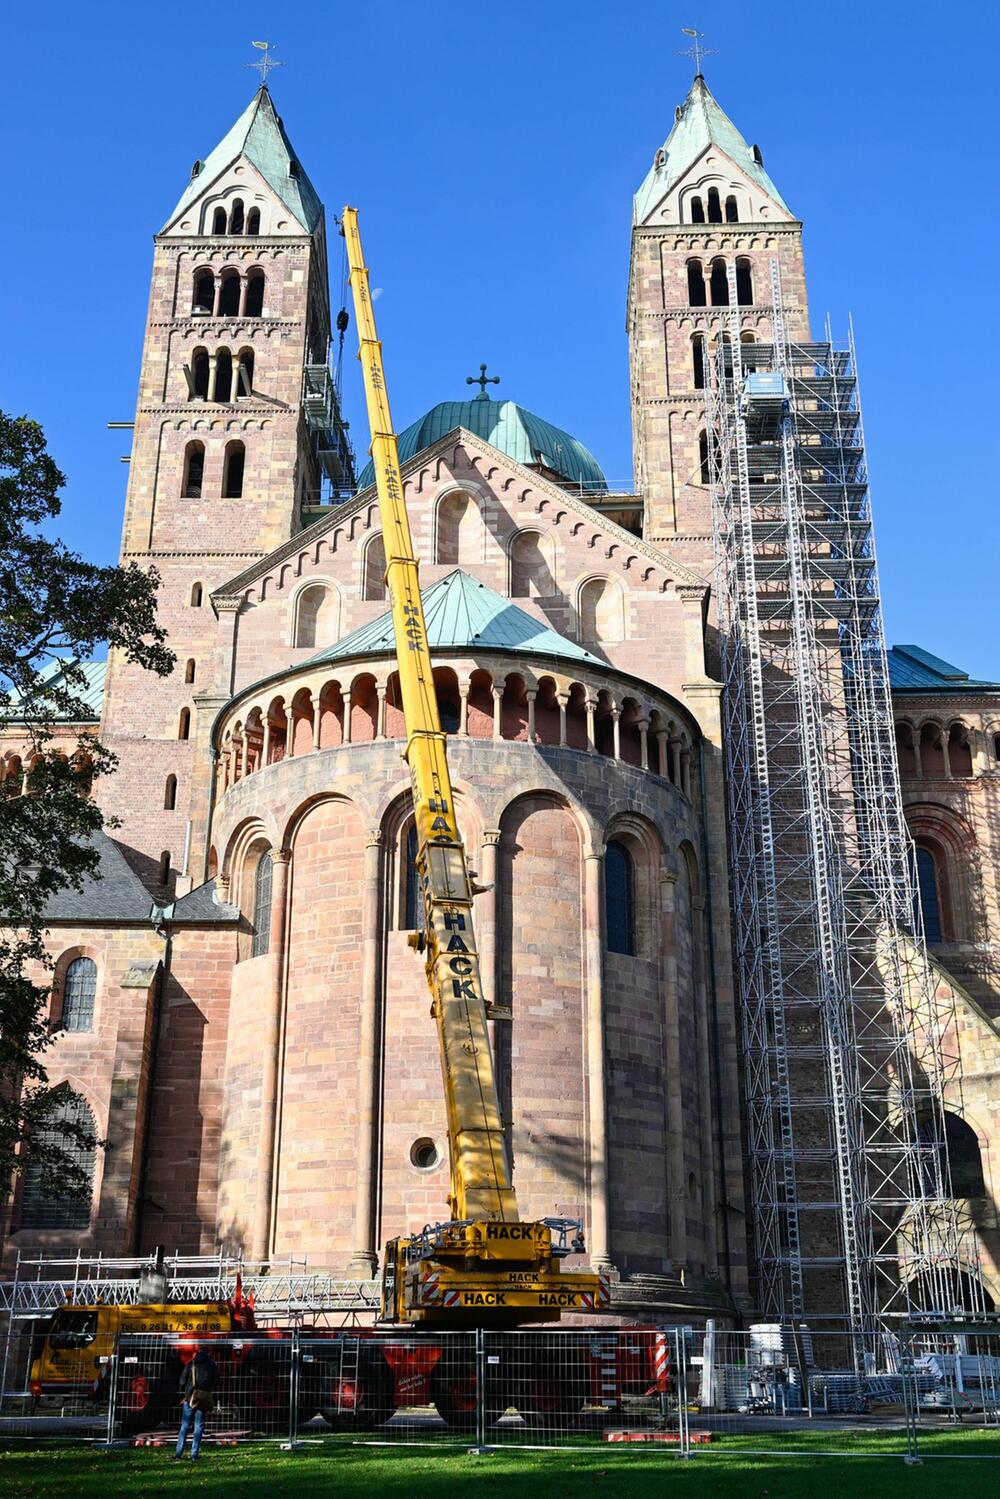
{"points": [[482, 380], [696, 51]]}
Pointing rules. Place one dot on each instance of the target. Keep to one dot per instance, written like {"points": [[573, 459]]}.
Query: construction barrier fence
{"points": [[697, 1392]]}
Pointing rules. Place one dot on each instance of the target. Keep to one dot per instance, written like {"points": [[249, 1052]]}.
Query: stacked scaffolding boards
{"points": [[848, 1040]]}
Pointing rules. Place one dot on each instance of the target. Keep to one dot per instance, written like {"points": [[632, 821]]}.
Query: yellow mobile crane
{"points": [[485, 1264]]}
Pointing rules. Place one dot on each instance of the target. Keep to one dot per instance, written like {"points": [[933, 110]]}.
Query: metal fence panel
{"points": [[255, 1394], [75, 1409], [953, 1381]]}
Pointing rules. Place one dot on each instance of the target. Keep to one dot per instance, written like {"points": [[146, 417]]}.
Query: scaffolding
{"points": [[849, 1043]]}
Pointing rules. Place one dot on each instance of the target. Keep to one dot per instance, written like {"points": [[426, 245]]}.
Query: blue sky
{"points": [[493, 151]]}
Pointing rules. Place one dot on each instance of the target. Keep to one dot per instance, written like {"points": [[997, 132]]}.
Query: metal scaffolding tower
{"points": [[848, 1040]]}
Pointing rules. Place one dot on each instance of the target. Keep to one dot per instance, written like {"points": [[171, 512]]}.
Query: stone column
{"points": [[463, 721], [211, 376], [675, 759], [531, 693], [590, 705], [364, 1256], [616, 733], [486, 913], [314, 707], [980, 742], [347, 698], [266, 747], [596, 1070], [244, 283], [497, 702], [686, 771], [381, 689], [642, 724], [660, 735], [562, 698], [270, 1048], [917, 761], [676, 1194]]}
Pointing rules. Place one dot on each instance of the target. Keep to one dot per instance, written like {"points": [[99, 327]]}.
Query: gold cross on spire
{"points": [[266, 64], [696, 51]]}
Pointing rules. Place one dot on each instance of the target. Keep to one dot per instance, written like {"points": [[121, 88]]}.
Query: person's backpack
{"points": [[200, 1398]]}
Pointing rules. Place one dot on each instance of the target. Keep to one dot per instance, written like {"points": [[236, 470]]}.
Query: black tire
{"points": [[373, 1399], [553, 1397], [145, 1399], [454, 1393]]}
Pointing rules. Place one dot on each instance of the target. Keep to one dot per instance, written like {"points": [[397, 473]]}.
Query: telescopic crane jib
{"points": [[485, 1263]]}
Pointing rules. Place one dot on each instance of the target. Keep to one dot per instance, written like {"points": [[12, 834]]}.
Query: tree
{"points": [[55, 611]]}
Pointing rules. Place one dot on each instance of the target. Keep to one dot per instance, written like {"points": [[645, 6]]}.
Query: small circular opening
{"points": [[424, 1154]]}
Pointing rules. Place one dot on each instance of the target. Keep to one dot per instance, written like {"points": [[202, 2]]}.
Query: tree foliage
{"points": [[56, 610]]}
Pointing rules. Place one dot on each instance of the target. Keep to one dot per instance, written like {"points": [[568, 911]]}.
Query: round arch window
{"points": [[424, 1154]]}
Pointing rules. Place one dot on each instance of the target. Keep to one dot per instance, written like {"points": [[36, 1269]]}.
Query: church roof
{"points": [[700, 122], [90, 694], [526, 438], [117, 894], [259, 135], [461, 614], [912, 669]]}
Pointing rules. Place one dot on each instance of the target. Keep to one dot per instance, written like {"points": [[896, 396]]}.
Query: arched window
{"points": [[697, 211], [244, 374], [253, 221], [163, 869], [959, 750], [236, 221], [720, 284], [450, 714], [262, 905], [703, 467], [601, 618], [229, 294], [232, 474], [696, 284], [184, 724], [189, 670], [373, 586], [698, 359], [412, 914], [223, 376], [199, 375], [79, 992], [530, 572], [254, 304], [714, 206], [170, 794], [744, 283], [315, 616], [904, 750], [194, 470], [204, 292], [732, 212], [964, 1157], [219, 221], [196, 595], [619, 899], [930, 895], [70, 1128], [459, 530]]}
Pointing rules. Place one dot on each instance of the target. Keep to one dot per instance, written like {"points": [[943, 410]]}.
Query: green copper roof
{"points": [[90, 693], [260, 136], [518, 433], [462, 614], [700, 122], [912, 669]]}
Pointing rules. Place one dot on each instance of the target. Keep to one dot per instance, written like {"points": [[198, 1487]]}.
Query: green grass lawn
{"points": [[42, 1471]]}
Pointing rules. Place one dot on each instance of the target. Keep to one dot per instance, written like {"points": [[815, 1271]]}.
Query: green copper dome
{"points": [[520, 434]]}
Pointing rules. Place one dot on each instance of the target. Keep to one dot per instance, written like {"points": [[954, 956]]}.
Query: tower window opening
{"points": [[732, 211], [411, 887], [703, 467], [262, 905], [253, 221], [244, 378], [697, 211], [184, 724], [254, 302], [223, 376], [79, 993], [744, 283], [199, 375], [696, 284], [71, 1128], [194, 471], [236, 220], [219, 221], [964, 1157], [698, 360], [189, 671], [294, 170], [720, 284], [930, 894], [619, 899], [170, 794], [204, 292], [232, 479], [163, 870], [229, 294], [714, 206], [196, 595]]}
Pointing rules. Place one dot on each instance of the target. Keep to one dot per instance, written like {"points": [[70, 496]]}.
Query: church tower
{"points": [[237, 435], [706, 203]]}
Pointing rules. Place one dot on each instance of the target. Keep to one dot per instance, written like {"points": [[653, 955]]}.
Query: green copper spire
{"points": [[699, 123]]}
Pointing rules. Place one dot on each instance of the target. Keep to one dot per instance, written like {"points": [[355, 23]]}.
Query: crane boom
{"points": [[484, 1257]]}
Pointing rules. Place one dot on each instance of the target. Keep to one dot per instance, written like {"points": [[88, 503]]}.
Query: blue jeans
{"points": [[199, 1426]]}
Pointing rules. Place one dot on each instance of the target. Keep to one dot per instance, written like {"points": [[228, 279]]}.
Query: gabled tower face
{"points": [[707, 203], [235, 404]]}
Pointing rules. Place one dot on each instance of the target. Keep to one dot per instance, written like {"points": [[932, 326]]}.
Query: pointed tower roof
{"points": [[260, 136], [461, 614], [700, 122]]}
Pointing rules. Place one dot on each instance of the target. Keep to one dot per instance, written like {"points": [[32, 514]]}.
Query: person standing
{"points": [[197, 1387]]}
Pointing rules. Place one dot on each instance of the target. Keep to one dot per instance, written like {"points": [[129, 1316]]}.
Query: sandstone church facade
{"points": [[236, 1007]]}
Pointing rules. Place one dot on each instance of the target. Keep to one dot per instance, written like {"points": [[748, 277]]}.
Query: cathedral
{"points": [[236, 1008]]}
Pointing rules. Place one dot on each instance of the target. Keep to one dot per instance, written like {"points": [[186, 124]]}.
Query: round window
{"points": [[424, 1154]]}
